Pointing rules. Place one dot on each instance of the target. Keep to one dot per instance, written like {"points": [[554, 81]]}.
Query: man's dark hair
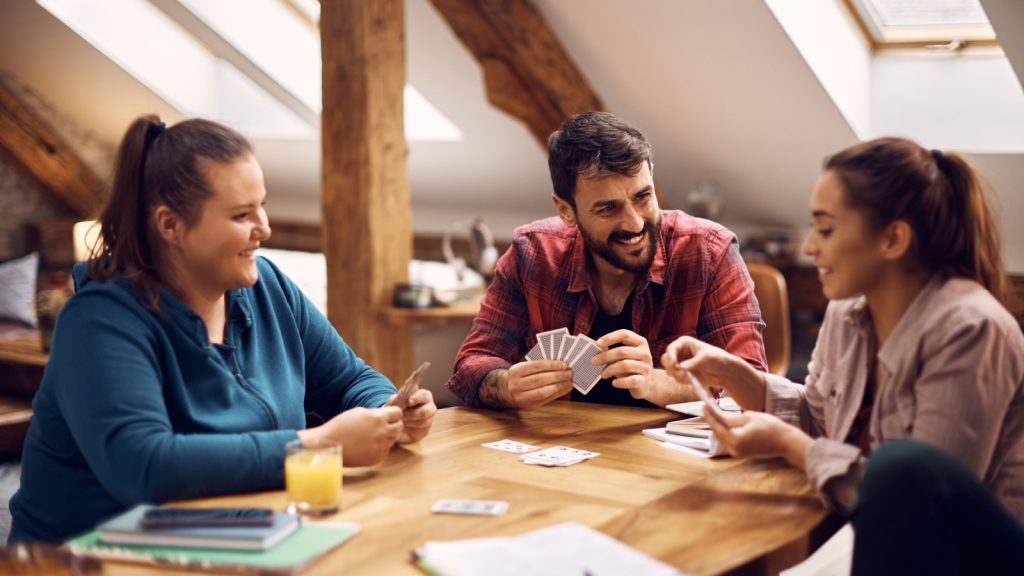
{"points": [[594, 145]]}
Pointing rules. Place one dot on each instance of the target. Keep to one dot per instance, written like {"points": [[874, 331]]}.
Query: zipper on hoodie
{"points": [[237, 374]]}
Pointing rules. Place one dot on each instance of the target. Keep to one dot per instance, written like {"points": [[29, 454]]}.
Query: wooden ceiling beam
{"points": [[527, 72], [41, 152]]}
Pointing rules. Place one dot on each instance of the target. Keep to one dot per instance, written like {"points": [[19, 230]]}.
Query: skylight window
{"points": [[253, 64], [292, 58], [972, 102], [167, 59], [924, 23], [424, 122], [308, 9]]}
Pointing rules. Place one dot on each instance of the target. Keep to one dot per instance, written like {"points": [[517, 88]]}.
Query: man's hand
{"points": [[526, 385], [629, 365], [365, 434], [418, 416]]}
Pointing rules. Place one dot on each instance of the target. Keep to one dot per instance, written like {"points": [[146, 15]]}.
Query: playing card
{"points": [[473, 507], [704, 395], [558, 456], [535, 353], [577, 346], [556, 343], [568, 341], [547, 342], [507, 445], [584, 374], [409, 387]]}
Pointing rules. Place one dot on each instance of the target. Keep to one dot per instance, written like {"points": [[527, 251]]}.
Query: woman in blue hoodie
{"points": [[185, 363]]}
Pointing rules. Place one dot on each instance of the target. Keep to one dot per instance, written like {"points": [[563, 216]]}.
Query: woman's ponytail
{"points": [[977, 253], [937, 193]]}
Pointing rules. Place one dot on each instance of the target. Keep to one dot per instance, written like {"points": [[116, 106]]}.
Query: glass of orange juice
{"points": [[312, 477]]}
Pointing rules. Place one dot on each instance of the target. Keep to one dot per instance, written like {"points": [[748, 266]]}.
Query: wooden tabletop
{"points": [[703, 516]]}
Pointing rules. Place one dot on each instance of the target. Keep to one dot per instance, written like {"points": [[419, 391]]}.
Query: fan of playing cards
{"points": [[577, 351]]}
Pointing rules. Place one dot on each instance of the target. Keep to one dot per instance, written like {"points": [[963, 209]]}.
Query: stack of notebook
{"points": [[287, 546]]}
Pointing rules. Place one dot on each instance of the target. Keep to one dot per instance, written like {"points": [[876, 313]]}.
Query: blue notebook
{"points": [[125, 529]]}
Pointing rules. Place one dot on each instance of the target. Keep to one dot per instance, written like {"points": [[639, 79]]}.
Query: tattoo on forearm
{"points": [[490, 390]]}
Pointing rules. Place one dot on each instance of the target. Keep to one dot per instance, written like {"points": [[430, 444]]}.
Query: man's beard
{"points": [[606, 250]]}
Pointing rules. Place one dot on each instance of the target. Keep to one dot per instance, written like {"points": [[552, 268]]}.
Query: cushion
{"points": [[18, 289]]}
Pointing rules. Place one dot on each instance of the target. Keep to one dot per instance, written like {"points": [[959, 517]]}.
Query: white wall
{"points": [[836, 52], [971, 103]]}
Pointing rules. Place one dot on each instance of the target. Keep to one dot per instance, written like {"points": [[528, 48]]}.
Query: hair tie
{"points": [[154, 130]]}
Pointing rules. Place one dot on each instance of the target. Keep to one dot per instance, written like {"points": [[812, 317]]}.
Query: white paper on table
{"points": [[568, 548], [705, 447]]}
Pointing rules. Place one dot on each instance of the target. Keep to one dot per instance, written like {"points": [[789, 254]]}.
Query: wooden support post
{"points": [[527, 72], [39, 150], [367, 217]]}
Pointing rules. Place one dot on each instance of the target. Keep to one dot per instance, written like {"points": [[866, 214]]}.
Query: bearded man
{"points": [[611, 266]]}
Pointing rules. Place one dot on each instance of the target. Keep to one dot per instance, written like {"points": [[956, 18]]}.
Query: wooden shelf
{"points": [[24, 350], [458, 312]]}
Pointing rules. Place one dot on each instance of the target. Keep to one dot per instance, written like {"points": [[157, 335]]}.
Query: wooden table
{"points": [[703, 516]]}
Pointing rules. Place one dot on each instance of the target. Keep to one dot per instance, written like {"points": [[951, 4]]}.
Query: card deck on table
{"points": [[472, 507], [506, 445], [558, 456]]}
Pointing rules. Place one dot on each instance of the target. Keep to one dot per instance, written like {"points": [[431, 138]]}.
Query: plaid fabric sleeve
{"points": [[496, 339], [730, 317]]}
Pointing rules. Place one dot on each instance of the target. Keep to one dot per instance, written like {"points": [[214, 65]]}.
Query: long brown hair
{"points": [[937, 193], [157, 167]]}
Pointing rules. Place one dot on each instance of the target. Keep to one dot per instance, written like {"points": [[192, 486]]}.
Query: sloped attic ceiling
{"points": [[719, 88]]}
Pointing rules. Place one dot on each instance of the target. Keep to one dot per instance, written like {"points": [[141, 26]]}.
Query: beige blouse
{"points": [[952, 375]]}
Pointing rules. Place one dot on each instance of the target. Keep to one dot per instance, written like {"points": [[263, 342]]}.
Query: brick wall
{"points": [[24, 202]]}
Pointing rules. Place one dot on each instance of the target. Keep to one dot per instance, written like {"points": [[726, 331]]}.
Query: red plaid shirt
{"points": [[696, 286]]}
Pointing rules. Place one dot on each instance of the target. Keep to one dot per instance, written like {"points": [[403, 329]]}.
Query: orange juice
{"points": [[312, 477]]}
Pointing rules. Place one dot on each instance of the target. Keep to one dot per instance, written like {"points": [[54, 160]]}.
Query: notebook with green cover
{"points": [[127, 528], [294, 553]]}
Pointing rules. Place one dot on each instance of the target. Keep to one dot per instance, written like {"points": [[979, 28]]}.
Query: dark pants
{"points": [[922, 512]]}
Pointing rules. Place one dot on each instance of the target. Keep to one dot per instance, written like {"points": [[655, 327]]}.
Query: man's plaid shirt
{"points": [[697, 285]]}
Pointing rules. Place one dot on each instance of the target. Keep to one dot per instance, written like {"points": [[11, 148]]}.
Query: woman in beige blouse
{"points": [[915, 342]]}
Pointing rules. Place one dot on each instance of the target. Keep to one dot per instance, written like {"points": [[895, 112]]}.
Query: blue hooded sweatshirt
{"points": [[137, 406]]}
